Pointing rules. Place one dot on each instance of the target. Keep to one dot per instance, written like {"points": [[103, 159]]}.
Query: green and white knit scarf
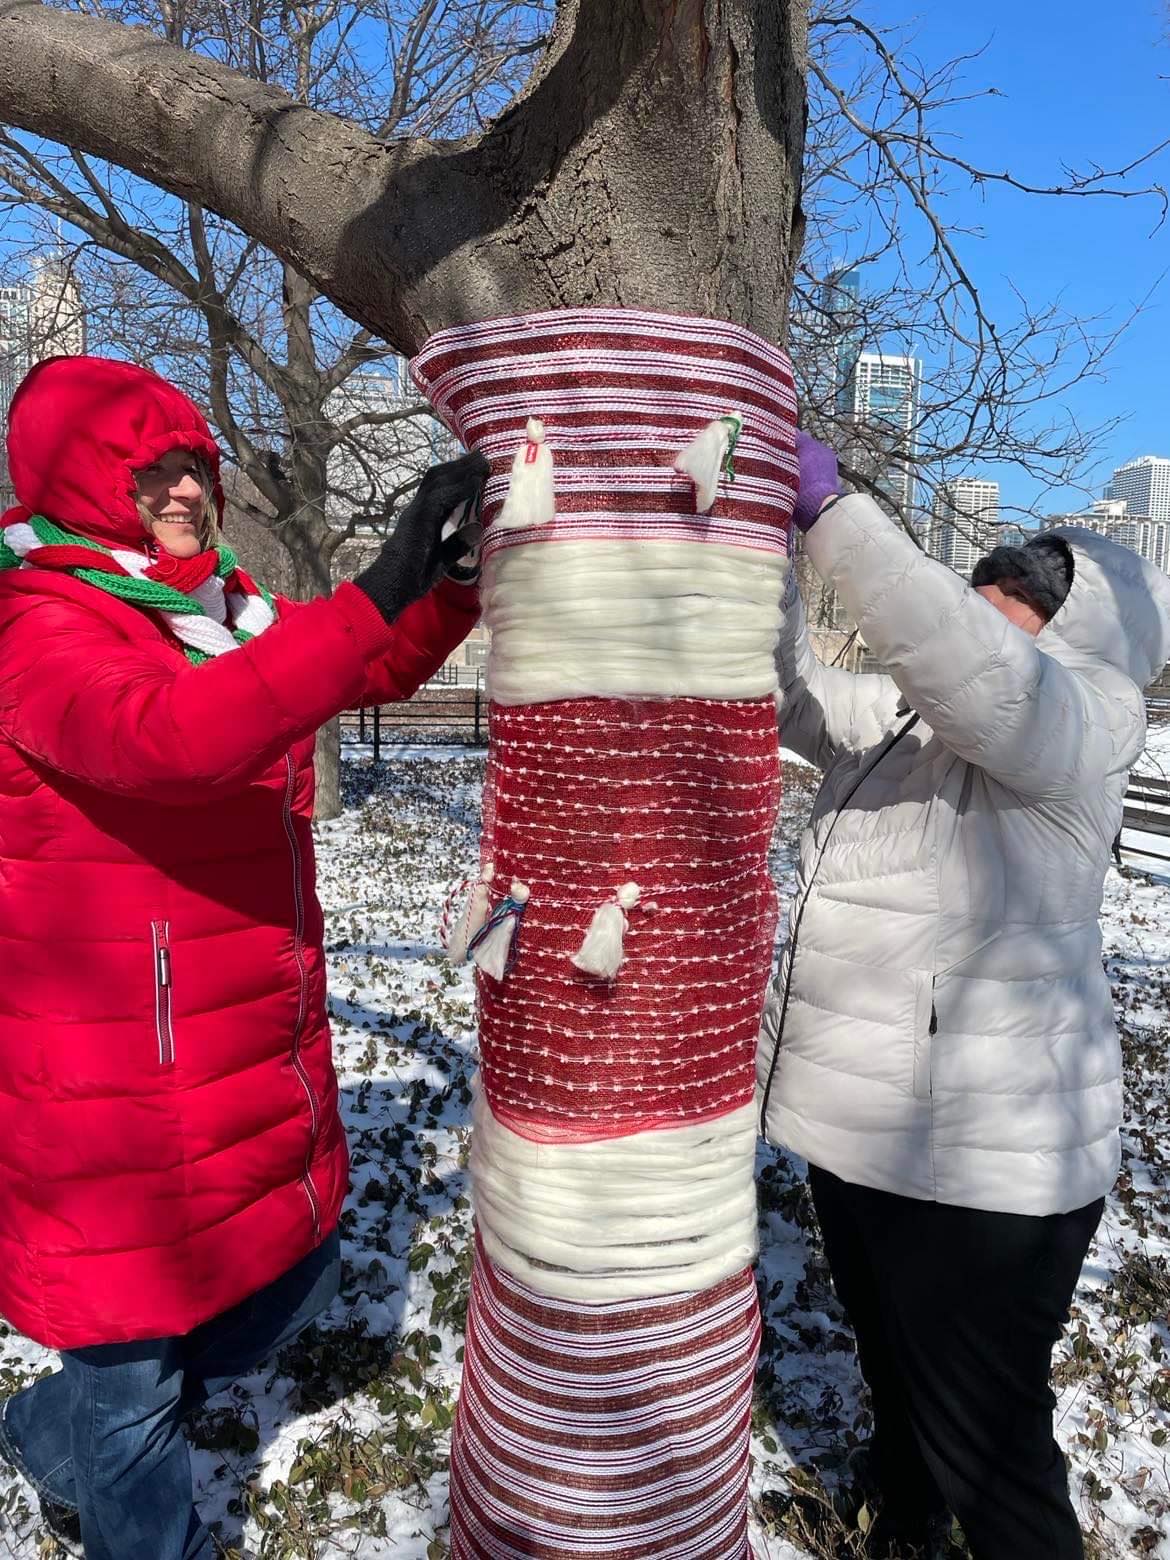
{"points": [[198, 598]]}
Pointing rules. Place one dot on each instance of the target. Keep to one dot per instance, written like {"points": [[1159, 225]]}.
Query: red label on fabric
{"points": [[530, 450]]}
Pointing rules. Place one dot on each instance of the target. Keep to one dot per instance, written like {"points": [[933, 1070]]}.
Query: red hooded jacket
{"points": [[169, 1135]]}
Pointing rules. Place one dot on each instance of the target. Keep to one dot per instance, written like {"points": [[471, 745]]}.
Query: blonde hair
{"points": [[209, 518]]}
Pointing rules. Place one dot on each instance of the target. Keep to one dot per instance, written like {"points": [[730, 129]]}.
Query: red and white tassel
{"points": [[494, 946], [457, 931], [531, 499], [603, 949], [706, 458]]}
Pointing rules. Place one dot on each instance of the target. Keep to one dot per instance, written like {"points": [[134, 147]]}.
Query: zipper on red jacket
{"points": [[303, 999], [160, 936]]}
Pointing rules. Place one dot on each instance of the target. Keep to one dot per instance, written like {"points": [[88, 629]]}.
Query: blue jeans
{"points": [[105, 1434]]}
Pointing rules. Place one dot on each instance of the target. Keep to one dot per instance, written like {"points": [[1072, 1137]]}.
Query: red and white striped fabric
{"points": [[612, 1331], [606, 1430], [621, 393]]}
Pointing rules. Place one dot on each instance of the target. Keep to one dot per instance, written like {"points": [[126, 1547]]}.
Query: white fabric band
{"points": [[654, 1213], [598, 619]]}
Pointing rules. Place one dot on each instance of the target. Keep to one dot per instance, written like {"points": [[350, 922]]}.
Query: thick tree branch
{"points": [[680, 117], [350, 425], [295, 179]]}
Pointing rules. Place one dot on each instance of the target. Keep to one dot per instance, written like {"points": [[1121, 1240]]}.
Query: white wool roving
{"points": [[603, 949], [631, 618], [650, 1213], [705, 457], [531, 499]]}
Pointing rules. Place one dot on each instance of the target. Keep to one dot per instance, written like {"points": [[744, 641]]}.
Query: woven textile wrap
{"points": [[631, 793], [616, 1430], [638, 593]]}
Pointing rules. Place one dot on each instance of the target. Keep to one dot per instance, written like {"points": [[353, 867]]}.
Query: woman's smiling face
{"points": [[173, 501]]}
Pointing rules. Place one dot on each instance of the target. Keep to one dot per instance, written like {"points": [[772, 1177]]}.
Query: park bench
{"points": [[1147, 810]]}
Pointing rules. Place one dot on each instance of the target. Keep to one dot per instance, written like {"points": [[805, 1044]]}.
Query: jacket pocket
{"points": [[925, 1028], [160, 938]]}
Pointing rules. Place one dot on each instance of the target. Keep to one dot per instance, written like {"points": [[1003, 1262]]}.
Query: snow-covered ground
{"points": [[339, 1447]]}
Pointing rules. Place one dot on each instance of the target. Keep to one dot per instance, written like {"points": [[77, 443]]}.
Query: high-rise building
{"points": [[1113, 518], [15, 358], [15, 362], [841, 310], [886, 392], [965, 522], [39, 318], [56, 316], [1144, 485], [1013, 534], [386, 449]]}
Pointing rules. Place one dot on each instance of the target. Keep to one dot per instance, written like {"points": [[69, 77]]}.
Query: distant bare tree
{"points": [[879, 162]]}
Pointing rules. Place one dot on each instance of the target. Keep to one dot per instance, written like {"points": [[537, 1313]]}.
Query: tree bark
{"points": [[653, 161], [308, 538]]}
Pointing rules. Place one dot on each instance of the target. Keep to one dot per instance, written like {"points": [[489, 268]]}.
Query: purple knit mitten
{"points": [[818, 479]]}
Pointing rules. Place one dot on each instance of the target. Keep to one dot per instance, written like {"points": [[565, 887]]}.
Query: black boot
{"points": [[927, 1539]]}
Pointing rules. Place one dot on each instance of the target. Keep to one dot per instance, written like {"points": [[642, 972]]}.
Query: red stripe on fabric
{"points": [[594, 331], [68, 556], [535, 384], [184, 574], [609, 372], [239, 580], [605, 419], [662, 1474]]}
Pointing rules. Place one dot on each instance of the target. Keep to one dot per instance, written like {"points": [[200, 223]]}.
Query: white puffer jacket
{"points": [[947, 1028]]}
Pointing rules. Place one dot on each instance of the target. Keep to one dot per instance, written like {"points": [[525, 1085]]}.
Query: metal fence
{"points": [[441, 713]]}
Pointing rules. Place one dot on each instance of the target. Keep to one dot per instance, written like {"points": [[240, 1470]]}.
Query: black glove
{"points": [[424, 545]]}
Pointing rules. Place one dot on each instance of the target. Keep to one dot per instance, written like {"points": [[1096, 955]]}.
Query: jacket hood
{"points": [[1117, 610], [78, 429]]}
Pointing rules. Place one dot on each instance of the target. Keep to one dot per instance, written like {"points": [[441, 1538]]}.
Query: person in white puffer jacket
{"points": [[940, 1044]]}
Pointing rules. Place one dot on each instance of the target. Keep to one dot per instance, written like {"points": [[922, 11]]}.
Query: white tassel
{"points": [[706, 457], [602, 951], [530, 500], [493, 948], [473, 914]]}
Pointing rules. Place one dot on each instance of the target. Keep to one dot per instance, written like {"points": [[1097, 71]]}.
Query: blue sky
{"points": [[1081, 83]]}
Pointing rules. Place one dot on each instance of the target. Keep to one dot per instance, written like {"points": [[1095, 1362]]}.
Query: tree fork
{"points": [[652, 161]]}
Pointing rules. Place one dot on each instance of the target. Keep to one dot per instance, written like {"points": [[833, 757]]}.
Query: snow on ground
{"points": [[340, 1446]]}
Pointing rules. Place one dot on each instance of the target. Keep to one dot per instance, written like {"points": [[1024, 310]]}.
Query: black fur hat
{"points": [[1043, 568]]}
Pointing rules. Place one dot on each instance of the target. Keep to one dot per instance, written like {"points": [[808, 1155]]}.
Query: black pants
{"points": [[956, 1313]]}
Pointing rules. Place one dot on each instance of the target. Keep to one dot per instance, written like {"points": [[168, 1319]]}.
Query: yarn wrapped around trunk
{"points": [[632, 579]]}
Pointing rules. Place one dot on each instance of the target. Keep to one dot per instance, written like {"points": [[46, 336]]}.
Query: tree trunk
{"points": [[652, 162], [327, 770], [306, 537]]}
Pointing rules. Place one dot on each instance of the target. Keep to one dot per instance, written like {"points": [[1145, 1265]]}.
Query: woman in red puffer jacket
{"points": [[172, 1164]]}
